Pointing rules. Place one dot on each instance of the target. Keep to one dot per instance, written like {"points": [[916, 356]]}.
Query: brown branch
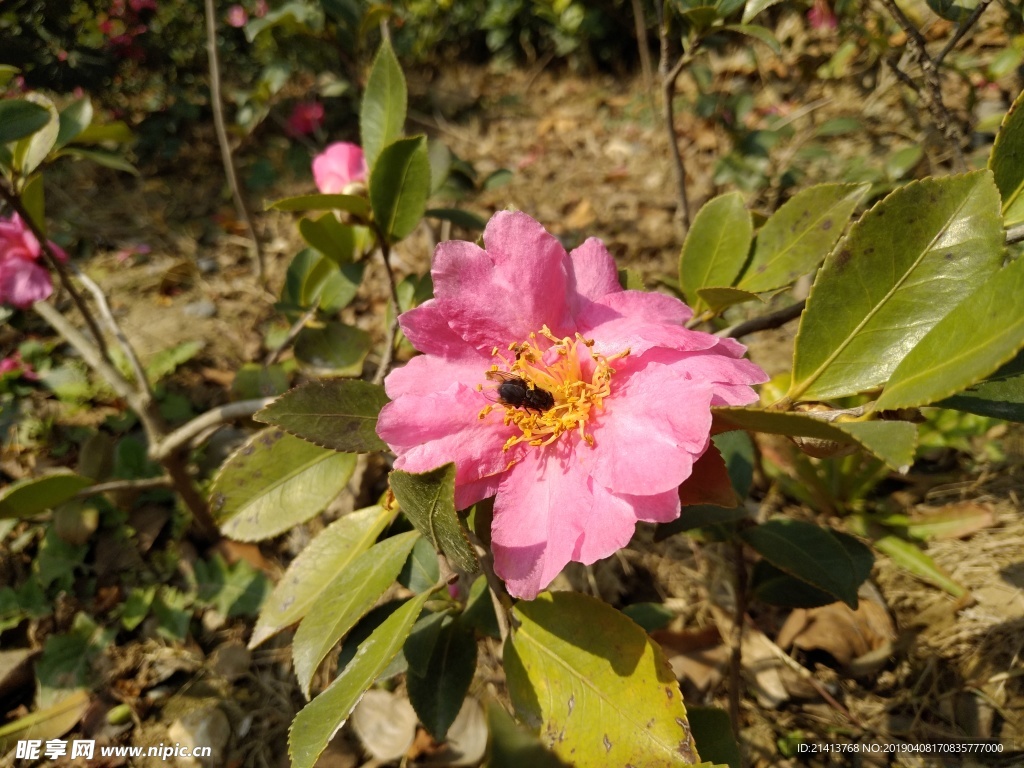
{"points": [[13, 200], [645, 52], [217, 104], [668, 86], [962, 30], [389, 349], [293, 332], [775, 319], [182, 436], [143, 484], [1015, 234], [931, 94]]}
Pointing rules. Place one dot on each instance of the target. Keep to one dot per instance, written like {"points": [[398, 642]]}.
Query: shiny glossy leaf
{"points": [[33, 495], [799, 235], [1007, 162], [457, 216], [357, 206], [20, 118], [31, 151], [428, 500], [74, 119], [813, 554], [1001, 395], [399, 186], [315, 567], [333, 349], [901, 269], [978, 336], [345, 600], [716, 247], [754, 7], [438, 692], [275, 481], [319, 720], [382, 116], [599, 690], [337, 414], [333, 239]]}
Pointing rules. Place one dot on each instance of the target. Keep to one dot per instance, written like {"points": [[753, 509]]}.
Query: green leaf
{"points": [[1001, 395], [650, 616], [982, 333], [712, 730], [440, 164], [901, 269], [235, 589], [382, 115], [357, 206], [314, 278], [891, 441], [31, 151], [37, 494], [754, 7], [912, 559], [513, 747], [20, 118], [759, 33], [839, 126], [596, 686], [457, 216], [48, 722], [438, 693], [168, 360], [352, 593], [798, 236], [814, 555], [1007, 162], [33, 198], [399, 186], [116, 131], [952, 10], [74, 119], [421, 571], [337, 414], [316, 566], [273, 482], [333, 239], [428, 500], [100, 157], [718, 299], [776, 587], [716, 247], [334, 349], [319, 720]]}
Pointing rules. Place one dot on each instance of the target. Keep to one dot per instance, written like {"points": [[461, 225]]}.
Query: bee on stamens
{"points": [[519, 393]]}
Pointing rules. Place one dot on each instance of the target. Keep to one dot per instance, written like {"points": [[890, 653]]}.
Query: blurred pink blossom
{"points": [[237, 16], [305, 118], [260, 9], [821, 17], [620, 409], [22, 279], [140, 5], [13, 364], [338, 166]]}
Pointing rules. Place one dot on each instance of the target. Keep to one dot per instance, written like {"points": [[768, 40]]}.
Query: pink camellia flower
{"points": [[821, 16], [338, 166], [22, 280], [580, 406], [305, 118], [14, 366], [237, 16]]}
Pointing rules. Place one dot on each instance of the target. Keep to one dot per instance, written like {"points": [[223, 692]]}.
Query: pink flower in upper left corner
{"points": [[581, 407], [237, 16], [338, 166], [23, 280]]}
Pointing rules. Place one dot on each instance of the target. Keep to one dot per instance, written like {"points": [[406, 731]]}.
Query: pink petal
{"points": [[23, 283], [652, 429], [595, 271], [613, 520], [427, 374], [730, 377], [429, 332], [338, 166], [470, 493], [496, 296], [426, 431], [538, 515], [640, 321]]}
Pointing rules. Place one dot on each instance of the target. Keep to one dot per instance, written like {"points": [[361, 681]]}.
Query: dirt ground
{"points": [[590, 158]]}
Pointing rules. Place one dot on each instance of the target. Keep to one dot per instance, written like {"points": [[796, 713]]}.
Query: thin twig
{"points": [[141, 381], [184, 434], [932, 92], [1015, 234], [499, 596], [389, 348], [668, 86], [962, 30], [645, 52], [217, 104], [775, 319], [144, 484], [293, 332], [57, 265], [739, 621]]}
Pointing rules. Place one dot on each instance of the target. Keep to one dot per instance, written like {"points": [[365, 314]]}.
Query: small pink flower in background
{"points": [[237, 16], [821, 17], [619, 401], [338, 166], [141, 5], [260, 9], [18, 367], [305, 118], [23, 280]]}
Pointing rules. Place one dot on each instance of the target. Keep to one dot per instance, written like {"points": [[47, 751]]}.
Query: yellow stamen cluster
{"points": [[575, 397]]}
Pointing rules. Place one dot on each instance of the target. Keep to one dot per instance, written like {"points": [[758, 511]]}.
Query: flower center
{"points": [[548, 392]]}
